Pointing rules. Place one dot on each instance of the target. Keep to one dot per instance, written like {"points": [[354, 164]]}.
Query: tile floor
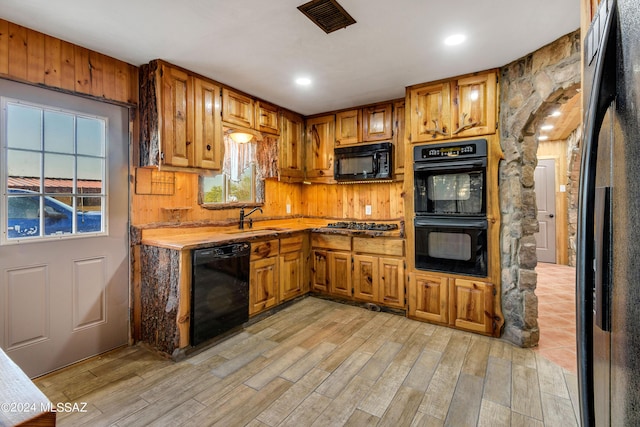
{"points": [[557, 314]]}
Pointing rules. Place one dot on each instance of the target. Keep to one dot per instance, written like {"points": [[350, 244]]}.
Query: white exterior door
{"points": [[546, 199], [64, 266]]}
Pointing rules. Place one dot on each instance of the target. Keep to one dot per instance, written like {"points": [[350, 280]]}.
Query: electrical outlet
{"points": [[367, 210], [563, 188], [288, 208]]}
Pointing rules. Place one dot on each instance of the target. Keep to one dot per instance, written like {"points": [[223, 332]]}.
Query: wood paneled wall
{"points": [[349, 201], [32, 57], [182, 206]]}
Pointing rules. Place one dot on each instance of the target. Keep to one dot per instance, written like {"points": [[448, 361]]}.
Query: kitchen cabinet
{"points": [[364, 125], [348, 127], [471, 305], [399, 128], [378, 270], [460, 303], [208, 125], [291, 147], [180, 119], [319, 148], [455, 108], [268, 117], [238, 109], [292, 262], [263, 276], [376, 122], [331, 264]]}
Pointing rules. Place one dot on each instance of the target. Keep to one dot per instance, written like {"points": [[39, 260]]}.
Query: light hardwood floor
{"points": [[321, 363]]}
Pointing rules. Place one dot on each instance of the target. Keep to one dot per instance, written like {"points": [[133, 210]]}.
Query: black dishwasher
{"points": [[220, 290]]}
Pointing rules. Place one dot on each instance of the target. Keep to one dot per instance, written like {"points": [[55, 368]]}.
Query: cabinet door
{"points": [[429, 298], [348, 127], [176, 121], [320, 271], [208, 125], [319, 148], [472, 306], [268, 117], [291, 146], [237, 109], [366, 278], [291, 275], [399, 121], [263, 281], [340, 273], [391, 282], [376, 123], [431, 112], [474, 109]]}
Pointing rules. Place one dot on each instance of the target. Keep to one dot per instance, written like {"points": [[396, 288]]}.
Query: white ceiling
{"points": [[261, 46]]}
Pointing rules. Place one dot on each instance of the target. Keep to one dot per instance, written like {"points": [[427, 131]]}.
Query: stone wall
{"points": [[573, 178], [531, 88]]}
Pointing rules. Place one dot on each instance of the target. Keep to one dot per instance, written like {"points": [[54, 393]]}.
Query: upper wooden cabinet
{"points": [[319, 148], [180, 118], [268, 117], [176, 116], [348, 127], [291, 154], [399, 120], [208, 125], [368, 124], [456, 108], [238, 109], [376, 123]]}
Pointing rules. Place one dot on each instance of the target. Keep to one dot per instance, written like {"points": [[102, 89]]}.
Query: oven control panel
{"points": [[475, 148]]}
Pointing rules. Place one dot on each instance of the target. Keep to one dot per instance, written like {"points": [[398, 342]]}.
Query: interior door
{"points": [[64, 297], [546, 199]]}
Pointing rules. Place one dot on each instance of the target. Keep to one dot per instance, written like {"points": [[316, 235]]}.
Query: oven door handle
{"points": [[460, 165], [451, 223]]}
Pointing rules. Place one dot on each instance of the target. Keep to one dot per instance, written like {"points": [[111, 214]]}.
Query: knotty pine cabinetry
{"points": [[460, 303], [320, 136], [277, 272], [378, 271], [180, 118], [360, 268], [363, 125], [291, 154], [399, 129], [245, 112], [462, 107]]}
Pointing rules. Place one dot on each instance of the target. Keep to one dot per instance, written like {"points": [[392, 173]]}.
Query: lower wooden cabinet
{"points": [[339, 273], [379, 280], [292, 271], [263, 277], [461, 303]]}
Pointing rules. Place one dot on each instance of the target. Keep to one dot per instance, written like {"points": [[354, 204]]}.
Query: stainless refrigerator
{"points": [[608, 267]]}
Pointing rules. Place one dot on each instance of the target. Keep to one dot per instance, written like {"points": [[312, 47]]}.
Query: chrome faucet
{"points": [[243, 216]]}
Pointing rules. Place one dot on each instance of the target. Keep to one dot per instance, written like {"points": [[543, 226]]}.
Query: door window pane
{"points": [[59, 132], [91, 136], [24, 127]]}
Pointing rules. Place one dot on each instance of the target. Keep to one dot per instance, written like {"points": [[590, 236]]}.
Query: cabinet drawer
{"points": [[291, 244], [379, 245], [266, 249], [331, 241]]}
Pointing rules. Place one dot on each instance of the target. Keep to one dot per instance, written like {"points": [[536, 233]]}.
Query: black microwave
{"points": [[363, 162]]}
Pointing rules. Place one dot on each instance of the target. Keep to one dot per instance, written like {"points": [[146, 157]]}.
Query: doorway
{"points": [[545, 178], [64, 290]]}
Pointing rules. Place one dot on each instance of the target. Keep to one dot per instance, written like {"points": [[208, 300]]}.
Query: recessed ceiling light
{"points": [[455, 39], [556, 113], [546, 127], [543, 138], [303, 81]]}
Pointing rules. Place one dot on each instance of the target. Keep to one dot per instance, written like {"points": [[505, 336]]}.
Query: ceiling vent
{"points": [[327, 14]]}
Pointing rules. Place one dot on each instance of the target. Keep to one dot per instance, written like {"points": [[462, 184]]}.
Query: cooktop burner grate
{"points": [[363, 226]]}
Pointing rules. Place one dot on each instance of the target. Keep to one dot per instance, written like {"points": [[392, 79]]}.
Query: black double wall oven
{"points": [[450, 224]]}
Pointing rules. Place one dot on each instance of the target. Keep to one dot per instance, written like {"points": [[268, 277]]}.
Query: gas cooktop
{"points": [[363, 226]]}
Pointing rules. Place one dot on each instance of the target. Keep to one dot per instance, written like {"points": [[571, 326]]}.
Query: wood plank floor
{"points": [[321, 363]]}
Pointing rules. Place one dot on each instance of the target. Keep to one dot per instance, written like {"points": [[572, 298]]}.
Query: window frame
{"points": [[42, 194]]}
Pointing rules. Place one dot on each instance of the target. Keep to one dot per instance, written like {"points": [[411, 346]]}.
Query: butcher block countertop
{"points": [[187, 238], [22, 403]]}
